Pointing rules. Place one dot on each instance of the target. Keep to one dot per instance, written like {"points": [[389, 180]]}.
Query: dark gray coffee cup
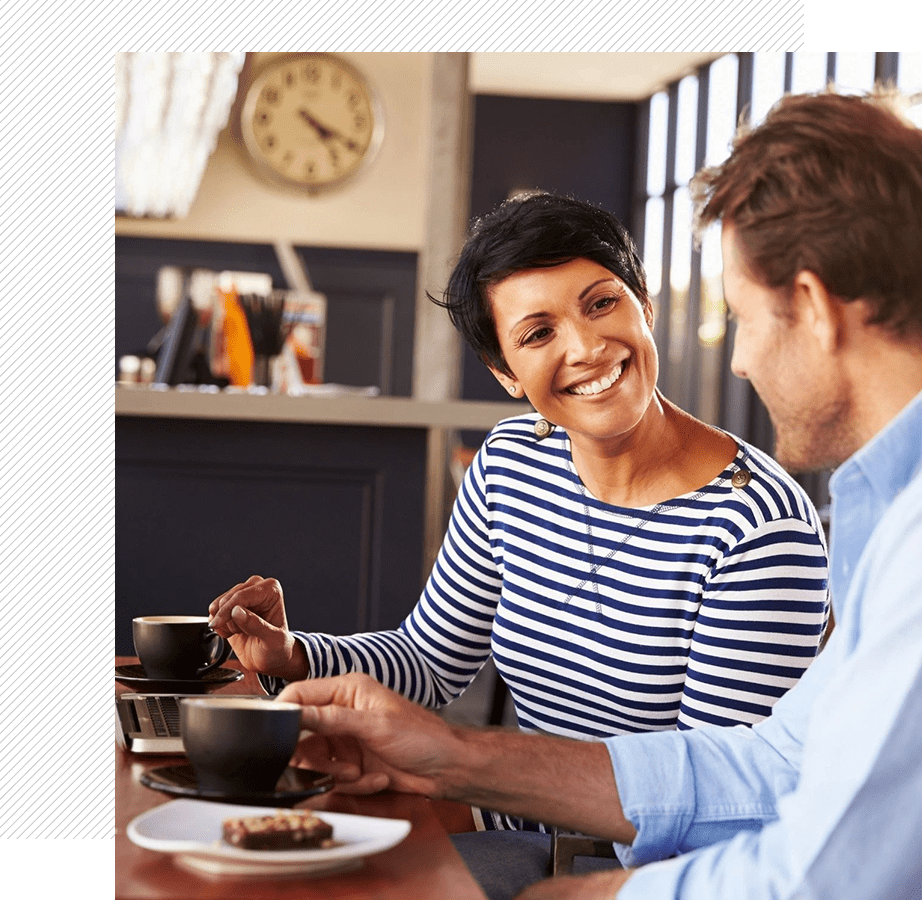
{"points": [[238, 745], [177, 647]]}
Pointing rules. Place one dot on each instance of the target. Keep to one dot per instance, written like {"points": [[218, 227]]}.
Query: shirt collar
{"points": [[891, 458]]}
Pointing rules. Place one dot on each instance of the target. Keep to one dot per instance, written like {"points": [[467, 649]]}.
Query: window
{"points": [[691, 124], [909, 79]]}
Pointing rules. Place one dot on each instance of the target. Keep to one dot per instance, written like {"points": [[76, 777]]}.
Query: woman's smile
{"points": [[591, 388]]}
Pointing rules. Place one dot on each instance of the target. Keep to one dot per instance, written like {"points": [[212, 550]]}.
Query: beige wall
{"points": [[383, 208]]}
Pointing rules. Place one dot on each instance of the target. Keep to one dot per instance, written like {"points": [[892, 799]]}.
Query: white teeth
{"points": [[596, 387]]}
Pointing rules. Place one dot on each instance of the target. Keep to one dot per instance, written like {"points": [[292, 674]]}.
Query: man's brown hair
{"points": [[830, 183]]}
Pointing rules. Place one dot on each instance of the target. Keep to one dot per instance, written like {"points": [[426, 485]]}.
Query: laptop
{"points": [[149, 723]]}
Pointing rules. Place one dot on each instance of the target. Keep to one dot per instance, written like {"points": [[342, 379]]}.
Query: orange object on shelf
{"points": [[238, 345]]}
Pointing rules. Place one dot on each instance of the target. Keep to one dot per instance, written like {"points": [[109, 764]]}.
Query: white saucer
{"points": [[191, 829]]}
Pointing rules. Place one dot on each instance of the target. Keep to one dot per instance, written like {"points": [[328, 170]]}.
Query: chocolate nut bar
{"points": [[289, 829]]}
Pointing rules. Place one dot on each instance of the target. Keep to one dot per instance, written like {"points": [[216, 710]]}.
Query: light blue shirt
{"points": [[823, 799]]}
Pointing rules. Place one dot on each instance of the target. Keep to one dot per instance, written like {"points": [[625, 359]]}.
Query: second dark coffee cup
{"points": [[239, 745], [178, 647]]}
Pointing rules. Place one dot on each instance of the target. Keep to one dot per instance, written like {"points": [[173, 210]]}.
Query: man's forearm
{"points": [[543, 778], [387, 741]]}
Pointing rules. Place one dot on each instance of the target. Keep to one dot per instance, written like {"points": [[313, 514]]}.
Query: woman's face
{"points": [[579, 344]]}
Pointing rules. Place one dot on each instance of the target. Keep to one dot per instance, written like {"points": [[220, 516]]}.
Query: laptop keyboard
{"points": [[164, 715]]}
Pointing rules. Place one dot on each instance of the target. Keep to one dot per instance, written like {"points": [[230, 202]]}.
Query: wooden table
{"points": [[424, 865]]}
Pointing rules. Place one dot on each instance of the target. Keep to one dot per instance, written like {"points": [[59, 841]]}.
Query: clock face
{"points": [[310, 121]]}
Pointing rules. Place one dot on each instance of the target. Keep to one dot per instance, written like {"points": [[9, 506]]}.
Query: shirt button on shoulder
{"points": [[740, 478], [543, 428]]}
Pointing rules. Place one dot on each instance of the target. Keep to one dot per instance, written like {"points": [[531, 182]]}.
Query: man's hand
{"points": [[370, 738], [252, 617], [598, 886]]}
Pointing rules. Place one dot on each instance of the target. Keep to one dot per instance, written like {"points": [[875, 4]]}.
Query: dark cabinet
{"points": [[334, 512]]}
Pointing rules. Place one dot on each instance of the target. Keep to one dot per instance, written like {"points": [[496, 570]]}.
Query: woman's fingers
{"points": [[262, 596]]}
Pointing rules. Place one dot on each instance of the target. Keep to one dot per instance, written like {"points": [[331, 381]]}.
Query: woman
{"points": [[629, 567]]}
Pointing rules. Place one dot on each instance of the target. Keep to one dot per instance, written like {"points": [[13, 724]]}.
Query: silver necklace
{"points": [[643, 517]]}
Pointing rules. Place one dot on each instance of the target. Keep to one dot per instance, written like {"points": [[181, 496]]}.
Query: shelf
{"points": [[344, 409]]}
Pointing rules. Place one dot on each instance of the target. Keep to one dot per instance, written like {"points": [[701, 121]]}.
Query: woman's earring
{"points": [[512, 389]]}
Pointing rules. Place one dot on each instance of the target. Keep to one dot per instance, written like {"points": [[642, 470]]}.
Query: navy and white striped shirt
{"points": [[605, 620]]}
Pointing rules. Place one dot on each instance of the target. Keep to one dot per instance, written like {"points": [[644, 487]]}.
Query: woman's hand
{"points": [[251, 616]]}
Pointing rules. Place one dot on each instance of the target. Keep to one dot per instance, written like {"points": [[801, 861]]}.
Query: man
{"points": [[821, 210]]}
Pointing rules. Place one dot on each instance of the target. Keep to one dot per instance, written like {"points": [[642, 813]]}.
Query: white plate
{"points": [[192, 830]]}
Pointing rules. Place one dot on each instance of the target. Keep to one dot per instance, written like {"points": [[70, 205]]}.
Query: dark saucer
{"points": [[133, 676], [294, 785]]}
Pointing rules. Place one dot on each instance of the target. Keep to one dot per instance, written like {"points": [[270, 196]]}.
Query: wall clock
{"points": [[310, 121]]}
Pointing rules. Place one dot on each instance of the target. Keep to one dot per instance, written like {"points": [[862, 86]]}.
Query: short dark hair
{"points": [[531, 231], [829, 183]]}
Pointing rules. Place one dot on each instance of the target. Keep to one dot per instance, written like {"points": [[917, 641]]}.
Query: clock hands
{"points": [[324, 132], [327, 134]]}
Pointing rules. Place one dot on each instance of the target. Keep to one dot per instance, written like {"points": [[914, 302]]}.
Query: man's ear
{"points": [[509, 382], [819, 310]]}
